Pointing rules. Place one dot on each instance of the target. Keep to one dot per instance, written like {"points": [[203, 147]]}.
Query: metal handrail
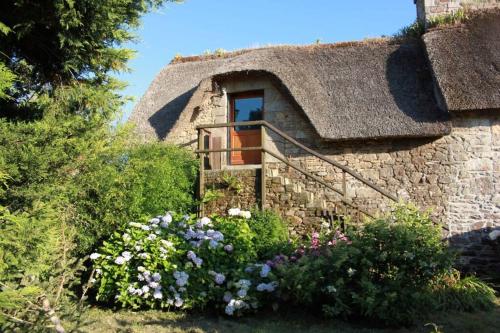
{"points": [[309, 150]]}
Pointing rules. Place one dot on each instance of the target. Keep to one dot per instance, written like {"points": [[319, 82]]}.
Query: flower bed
{"points": [[178, 261], [392, 270]]}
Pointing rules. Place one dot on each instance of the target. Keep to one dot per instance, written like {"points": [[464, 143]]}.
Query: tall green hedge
{"points": [[134, 183]]}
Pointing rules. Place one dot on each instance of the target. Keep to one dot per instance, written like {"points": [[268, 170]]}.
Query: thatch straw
{"points": [[359, 90], [466, 61]]}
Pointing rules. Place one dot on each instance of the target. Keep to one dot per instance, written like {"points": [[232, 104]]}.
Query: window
{"points": [[247, 107]]}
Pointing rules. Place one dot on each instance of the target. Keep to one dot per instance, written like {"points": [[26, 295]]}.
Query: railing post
{"points": [[263, 167], [202, 171], [344, 184]]}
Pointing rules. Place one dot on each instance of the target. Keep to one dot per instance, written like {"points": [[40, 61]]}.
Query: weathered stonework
{"points": [[427, 9], [456, 176], [246, 198]]}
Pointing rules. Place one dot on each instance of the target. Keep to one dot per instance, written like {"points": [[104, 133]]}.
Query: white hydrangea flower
{"points": [[145, 289], [126, 237], [157, 293], [135, 224], [143, 255], [151, 237], [167, 243], [94, 256], [165, 220], [154, 220], [179, 302], [153, 285], [141, 269], [120, 260], [245, 214], [234, 305], [127, 255], [204, 221], [156, 277], [98, 271], [234, 212], [229, 248]]}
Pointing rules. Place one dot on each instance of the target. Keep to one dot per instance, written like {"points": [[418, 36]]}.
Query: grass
{"points": [[417, 29], [100, 321]]}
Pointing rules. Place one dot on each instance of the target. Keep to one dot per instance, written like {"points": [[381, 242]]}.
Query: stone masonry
{"points": [[456, 176], [426, 9]]}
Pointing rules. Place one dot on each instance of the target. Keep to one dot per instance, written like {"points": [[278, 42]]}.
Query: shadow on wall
{"points": [[478, 253], [410, 83], [164, 119]]}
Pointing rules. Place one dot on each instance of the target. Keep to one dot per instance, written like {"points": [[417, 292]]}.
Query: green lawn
{"points": [[98, 320]]}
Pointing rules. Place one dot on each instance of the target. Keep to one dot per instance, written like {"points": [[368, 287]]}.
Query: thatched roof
{"points": [[365, 90], [466, 61]]}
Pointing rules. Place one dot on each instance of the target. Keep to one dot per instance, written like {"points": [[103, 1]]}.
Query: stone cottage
{"points": [[347, 127]]}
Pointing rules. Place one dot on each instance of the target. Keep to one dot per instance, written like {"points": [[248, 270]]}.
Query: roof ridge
{"points": [[234, 53]]}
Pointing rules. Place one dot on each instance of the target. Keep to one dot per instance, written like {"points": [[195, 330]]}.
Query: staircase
{"points": [[298, 193]]}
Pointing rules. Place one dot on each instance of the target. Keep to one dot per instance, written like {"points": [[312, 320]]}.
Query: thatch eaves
{"points": [[365, 90], [466, 61]]}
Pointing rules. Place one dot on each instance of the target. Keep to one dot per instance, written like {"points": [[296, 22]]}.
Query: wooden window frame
{"points": [[231, 98]]}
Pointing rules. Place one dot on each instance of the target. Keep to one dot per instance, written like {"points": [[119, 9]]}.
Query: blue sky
{"points": [[195, 26]]}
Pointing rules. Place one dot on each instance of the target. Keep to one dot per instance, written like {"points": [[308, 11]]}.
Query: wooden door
{"points": [[246, 107]]}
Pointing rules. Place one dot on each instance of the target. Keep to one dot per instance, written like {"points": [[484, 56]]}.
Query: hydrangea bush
{"points": [[179, 261], [391, 270]]}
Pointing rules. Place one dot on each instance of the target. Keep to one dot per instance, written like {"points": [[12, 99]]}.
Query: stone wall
{"points": [[246, 195], [426, 9], [457, 176]]}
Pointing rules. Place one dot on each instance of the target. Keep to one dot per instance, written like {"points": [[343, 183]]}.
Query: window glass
{"points": [[248, 109]]}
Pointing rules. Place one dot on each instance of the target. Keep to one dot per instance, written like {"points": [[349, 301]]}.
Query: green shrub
{"points": [[271, 234], [382, 275], [450, 292], [176, 261], [131, 184]]}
